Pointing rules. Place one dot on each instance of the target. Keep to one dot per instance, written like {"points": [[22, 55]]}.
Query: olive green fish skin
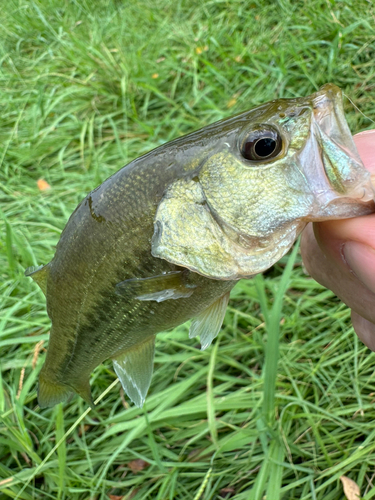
{"points": [[193, 205], [108, 240]]}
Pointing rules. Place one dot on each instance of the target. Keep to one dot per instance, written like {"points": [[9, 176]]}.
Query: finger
{"points": [[364, 329], [348, 247], [365, 142], [336, 275]]}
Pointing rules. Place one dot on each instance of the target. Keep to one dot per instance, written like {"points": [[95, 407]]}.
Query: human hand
{"points": [[341, 255]]}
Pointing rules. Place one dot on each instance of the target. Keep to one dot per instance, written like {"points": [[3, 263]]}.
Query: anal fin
{"points": [[134, 368], [207, 325]]}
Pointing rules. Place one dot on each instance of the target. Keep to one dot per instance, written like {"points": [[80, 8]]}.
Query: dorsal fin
{"points": [[39, 274], [134, 369], [207, 325]]}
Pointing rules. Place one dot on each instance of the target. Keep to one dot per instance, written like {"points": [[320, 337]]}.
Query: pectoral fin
{"points": [[134, 369], [172, 285], [207, 325], [39, 274]]}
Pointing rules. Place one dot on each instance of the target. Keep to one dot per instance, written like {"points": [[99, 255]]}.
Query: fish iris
{"points": [[262, 144]]}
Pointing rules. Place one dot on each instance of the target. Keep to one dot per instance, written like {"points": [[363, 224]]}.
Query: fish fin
{"points": [[172, 285], [134, 369], [83, 389], [39, 274], [50, 393], [207, 325]]}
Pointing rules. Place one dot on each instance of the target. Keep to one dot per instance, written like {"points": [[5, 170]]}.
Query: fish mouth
{"points": [[342, 165], [329, 116]]}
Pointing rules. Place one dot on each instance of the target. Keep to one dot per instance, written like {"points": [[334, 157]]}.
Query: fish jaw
{"points": [[243, 216], [331, 163]]}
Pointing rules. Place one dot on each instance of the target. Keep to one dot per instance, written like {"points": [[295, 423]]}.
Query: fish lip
{"points": [[329, 118], [330, 126], [328, 111]]}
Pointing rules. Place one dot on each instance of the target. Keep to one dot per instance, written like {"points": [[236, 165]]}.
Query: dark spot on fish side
{"points": [[195, 179], [98, 218]]}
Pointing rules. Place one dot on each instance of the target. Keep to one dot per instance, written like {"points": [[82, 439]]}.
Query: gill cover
{"points": [[295, 163]]}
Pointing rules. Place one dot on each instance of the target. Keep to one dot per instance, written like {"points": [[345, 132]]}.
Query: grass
{"points": [[85, 88]]}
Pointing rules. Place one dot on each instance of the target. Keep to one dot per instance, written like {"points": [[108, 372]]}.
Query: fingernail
{"points": [[361, 260]]}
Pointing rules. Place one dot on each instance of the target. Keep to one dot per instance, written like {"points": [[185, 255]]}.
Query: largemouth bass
{"points": [[167, 237]]}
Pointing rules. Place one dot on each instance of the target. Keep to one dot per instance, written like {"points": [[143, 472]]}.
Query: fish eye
{"points": [[263, 143]]}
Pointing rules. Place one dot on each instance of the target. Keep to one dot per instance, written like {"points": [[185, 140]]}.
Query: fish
{"points": [[166, 238]]}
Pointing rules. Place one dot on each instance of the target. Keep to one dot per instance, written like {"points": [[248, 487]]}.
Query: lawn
{"points": [[87, 86]]}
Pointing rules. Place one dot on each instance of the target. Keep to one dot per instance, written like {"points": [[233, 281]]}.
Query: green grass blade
{"points": [[272, 345], [61, 450]]}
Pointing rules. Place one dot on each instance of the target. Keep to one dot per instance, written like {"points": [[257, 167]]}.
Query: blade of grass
{"points": [[210, 396], [272, 345], [61, 450]]}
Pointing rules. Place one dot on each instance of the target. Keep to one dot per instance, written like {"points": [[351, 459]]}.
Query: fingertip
{"points": [[364, 329], [365, 142], [336, 232]]}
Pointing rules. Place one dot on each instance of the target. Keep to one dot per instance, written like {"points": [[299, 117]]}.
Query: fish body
{"points": [[166, 238]]}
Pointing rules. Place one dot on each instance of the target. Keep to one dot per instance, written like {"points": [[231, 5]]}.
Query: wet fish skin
{"points": [[166, 238], [107, 241]]}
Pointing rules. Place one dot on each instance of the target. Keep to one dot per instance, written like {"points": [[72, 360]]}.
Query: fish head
{"points": [[271, 171]]}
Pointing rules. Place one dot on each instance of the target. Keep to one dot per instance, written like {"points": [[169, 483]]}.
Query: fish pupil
{"points": [[265, 147]]}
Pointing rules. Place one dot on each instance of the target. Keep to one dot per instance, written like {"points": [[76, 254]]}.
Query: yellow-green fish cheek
{"points": [[258, 200]]}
